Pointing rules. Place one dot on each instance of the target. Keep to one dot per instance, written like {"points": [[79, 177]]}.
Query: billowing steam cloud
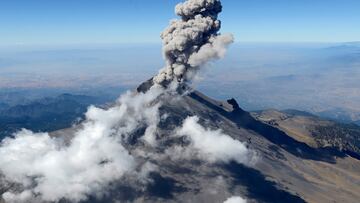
{"points": [[209, 145], [235, 199], [48, 170], [193, 40]]}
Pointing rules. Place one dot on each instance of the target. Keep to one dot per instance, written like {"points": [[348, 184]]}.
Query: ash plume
{"points": [[193, 40]]}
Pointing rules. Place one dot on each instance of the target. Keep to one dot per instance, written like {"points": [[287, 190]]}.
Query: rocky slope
{"points": [[287, 168], [314, 131]]}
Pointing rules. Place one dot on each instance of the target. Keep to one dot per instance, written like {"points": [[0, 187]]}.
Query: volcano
{"points": [[285, 170], [167, 142]]}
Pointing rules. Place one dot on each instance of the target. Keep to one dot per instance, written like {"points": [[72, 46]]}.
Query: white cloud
{"points": [[48, 170], [235, 199], [210, 145]]}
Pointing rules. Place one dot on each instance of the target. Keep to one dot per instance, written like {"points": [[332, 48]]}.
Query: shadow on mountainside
{"points": [[257, 186], [243, 119]]}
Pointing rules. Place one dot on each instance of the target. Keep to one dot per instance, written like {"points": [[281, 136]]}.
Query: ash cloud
{"points": [[192, 41]]}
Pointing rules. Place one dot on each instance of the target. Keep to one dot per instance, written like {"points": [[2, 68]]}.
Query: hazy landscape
{"points": [[242, 102], [321, 78]]}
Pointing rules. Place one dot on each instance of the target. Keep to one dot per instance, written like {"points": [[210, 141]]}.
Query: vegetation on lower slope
{"points": [[314, 130]]}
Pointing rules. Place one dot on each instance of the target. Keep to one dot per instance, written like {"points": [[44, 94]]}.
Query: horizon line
{"points": [[39, 45]]}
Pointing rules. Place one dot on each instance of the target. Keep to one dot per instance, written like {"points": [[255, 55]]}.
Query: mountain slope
{"points": [[286, 169], [314, 131]]}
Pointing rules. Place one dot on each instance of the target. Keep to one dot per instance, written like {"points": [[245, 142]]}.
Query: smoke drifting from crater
{"points": [[193, 40]]}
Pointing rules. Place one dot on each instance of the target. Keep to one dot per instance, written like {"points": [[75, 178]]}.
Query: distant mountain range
{"points": [[46, 114], [340, 115], [346, 46]]}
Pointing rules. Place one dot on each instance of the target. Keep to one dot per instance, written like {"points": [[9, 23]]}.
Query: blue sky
{"points": [[48, 22]]}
